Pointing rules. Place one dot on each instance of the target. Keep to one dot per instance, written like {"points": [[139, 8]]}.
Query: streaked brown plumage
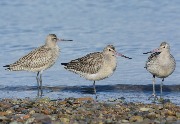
{"points": [[95, 66], [39, 59], [160, 64]]}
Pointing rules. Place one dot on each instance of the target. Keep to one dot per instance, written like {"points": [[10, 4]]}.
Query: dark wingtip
{"points": [[64, 64], [6, 66]]}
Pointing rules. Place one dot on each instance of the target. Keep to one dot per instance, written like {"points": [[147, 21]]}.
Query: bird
{"points": [[160, 64], [39, 59], [95, 66]]}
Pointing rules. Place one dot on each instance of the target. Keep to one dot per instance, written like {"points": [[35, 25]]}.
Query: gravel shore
{"points": [[85, 111]]}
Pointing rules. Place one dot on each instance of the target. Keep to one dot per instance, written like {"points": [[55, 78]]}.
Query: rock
{"points": [[65, 120], [42, 118], [170, 113], [30, 120], [9, 111], [171, 118], [3, 118], [146, 121], [15, 122], [145, 109], [125, 121], [178, 115], [151, 115], [32, 112], [136, 119], [160, 107], [3, 113], [79, 100]]}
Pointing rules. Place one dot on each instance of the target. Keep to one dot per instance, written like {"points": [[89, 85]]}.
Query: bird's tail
{"points": [[64, 64], [7, 67]]}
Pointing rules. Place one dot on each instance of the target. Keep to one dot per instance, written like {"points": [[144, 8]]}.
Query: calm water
{"points": [[132, 27]]}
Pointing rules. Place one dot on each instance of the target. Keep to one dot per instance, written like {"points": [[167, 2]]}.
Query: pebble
{"points": [[178, 115], [144, 109], [85, 110], [125, 121], [136, 119]]}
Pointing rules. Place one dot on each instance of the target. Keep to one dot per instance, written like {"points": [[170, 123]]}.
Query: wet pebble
{"points": [[85, 110]]}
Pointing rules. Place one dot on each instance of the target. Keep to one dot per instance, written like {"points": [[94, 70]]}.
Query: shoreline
{"points": [[85, 110]]}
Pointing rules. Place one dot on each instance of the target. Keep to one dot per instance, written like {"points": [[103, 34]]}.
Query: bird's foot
{"points": [[154, 97], [161, 100]]}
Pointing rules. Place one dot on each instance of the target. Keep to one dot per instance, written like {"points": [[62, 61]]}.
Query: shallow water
{"points": [[132, 27]]}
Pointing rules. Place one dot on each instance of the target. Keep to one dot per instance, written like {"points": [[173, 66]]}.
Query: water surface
{"points": [[133, 27]]}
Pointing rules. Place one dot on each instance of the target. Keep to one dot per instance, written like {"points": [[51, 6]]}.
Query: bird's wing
{"points": [[36, 58], [152, 58], [91, 63]]}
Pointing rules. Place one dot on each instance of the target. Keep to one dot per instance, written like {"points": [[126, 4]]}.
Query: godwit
{"points": [[95, 66], [160, 64], [39, 59]]}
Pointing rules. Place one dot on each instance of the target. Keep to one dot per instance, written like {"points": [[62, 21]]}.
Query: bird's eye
{"points": [[109, 49], [164, 47]]}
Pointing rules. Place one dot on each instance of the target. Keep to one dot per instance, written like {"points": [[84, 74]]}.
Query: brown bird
{"points": [[160, 64], [95, 66], [39, 59]]}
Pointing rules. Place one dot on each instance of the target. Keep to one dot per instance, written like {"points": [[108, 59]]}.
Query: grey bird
{"points": [[95, 66], [39, 59], [160, 64]]}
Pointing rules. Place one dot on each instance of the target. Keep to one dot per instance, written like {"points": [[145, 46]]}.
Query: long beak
{"points": [[155, 50], [119, 54], [64, 40]]}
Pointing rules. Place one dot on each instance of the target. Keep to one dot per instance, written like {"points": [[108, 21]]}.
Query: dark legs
{"points": [[37, 78], [39, 83], [94, 87], [161, 86], [154, 91]]}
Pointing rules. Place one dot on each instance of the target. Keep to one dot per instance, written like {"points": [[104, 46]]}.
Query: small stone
{"points": [[151, 115], [147, 121], [178, 115], [171, 118], [160, 107], [125, 121], [3, 113], [3, 118], [136, 119], [65, 120], [15, 122], [32, 112], [30, 120], [9, 112], [83, 99], [145, 109], [171, 113], [108, 121]]}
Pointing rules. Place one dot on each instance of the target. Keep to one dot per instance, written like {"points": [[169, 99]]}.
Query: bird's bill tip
{"points": [[64, 40], [119, 54]]}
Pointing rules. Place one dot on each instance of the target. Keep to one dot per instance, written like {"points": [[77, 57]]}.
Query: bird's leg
{"points": [[37, 78], [94, 87], [40, 80], [161, 86], [154, 92]]}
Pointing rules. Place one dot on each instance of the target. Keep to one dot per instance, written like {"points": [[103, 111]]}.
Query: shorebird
{"points": [[160, 64], [39, 59], [95, 66]]}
